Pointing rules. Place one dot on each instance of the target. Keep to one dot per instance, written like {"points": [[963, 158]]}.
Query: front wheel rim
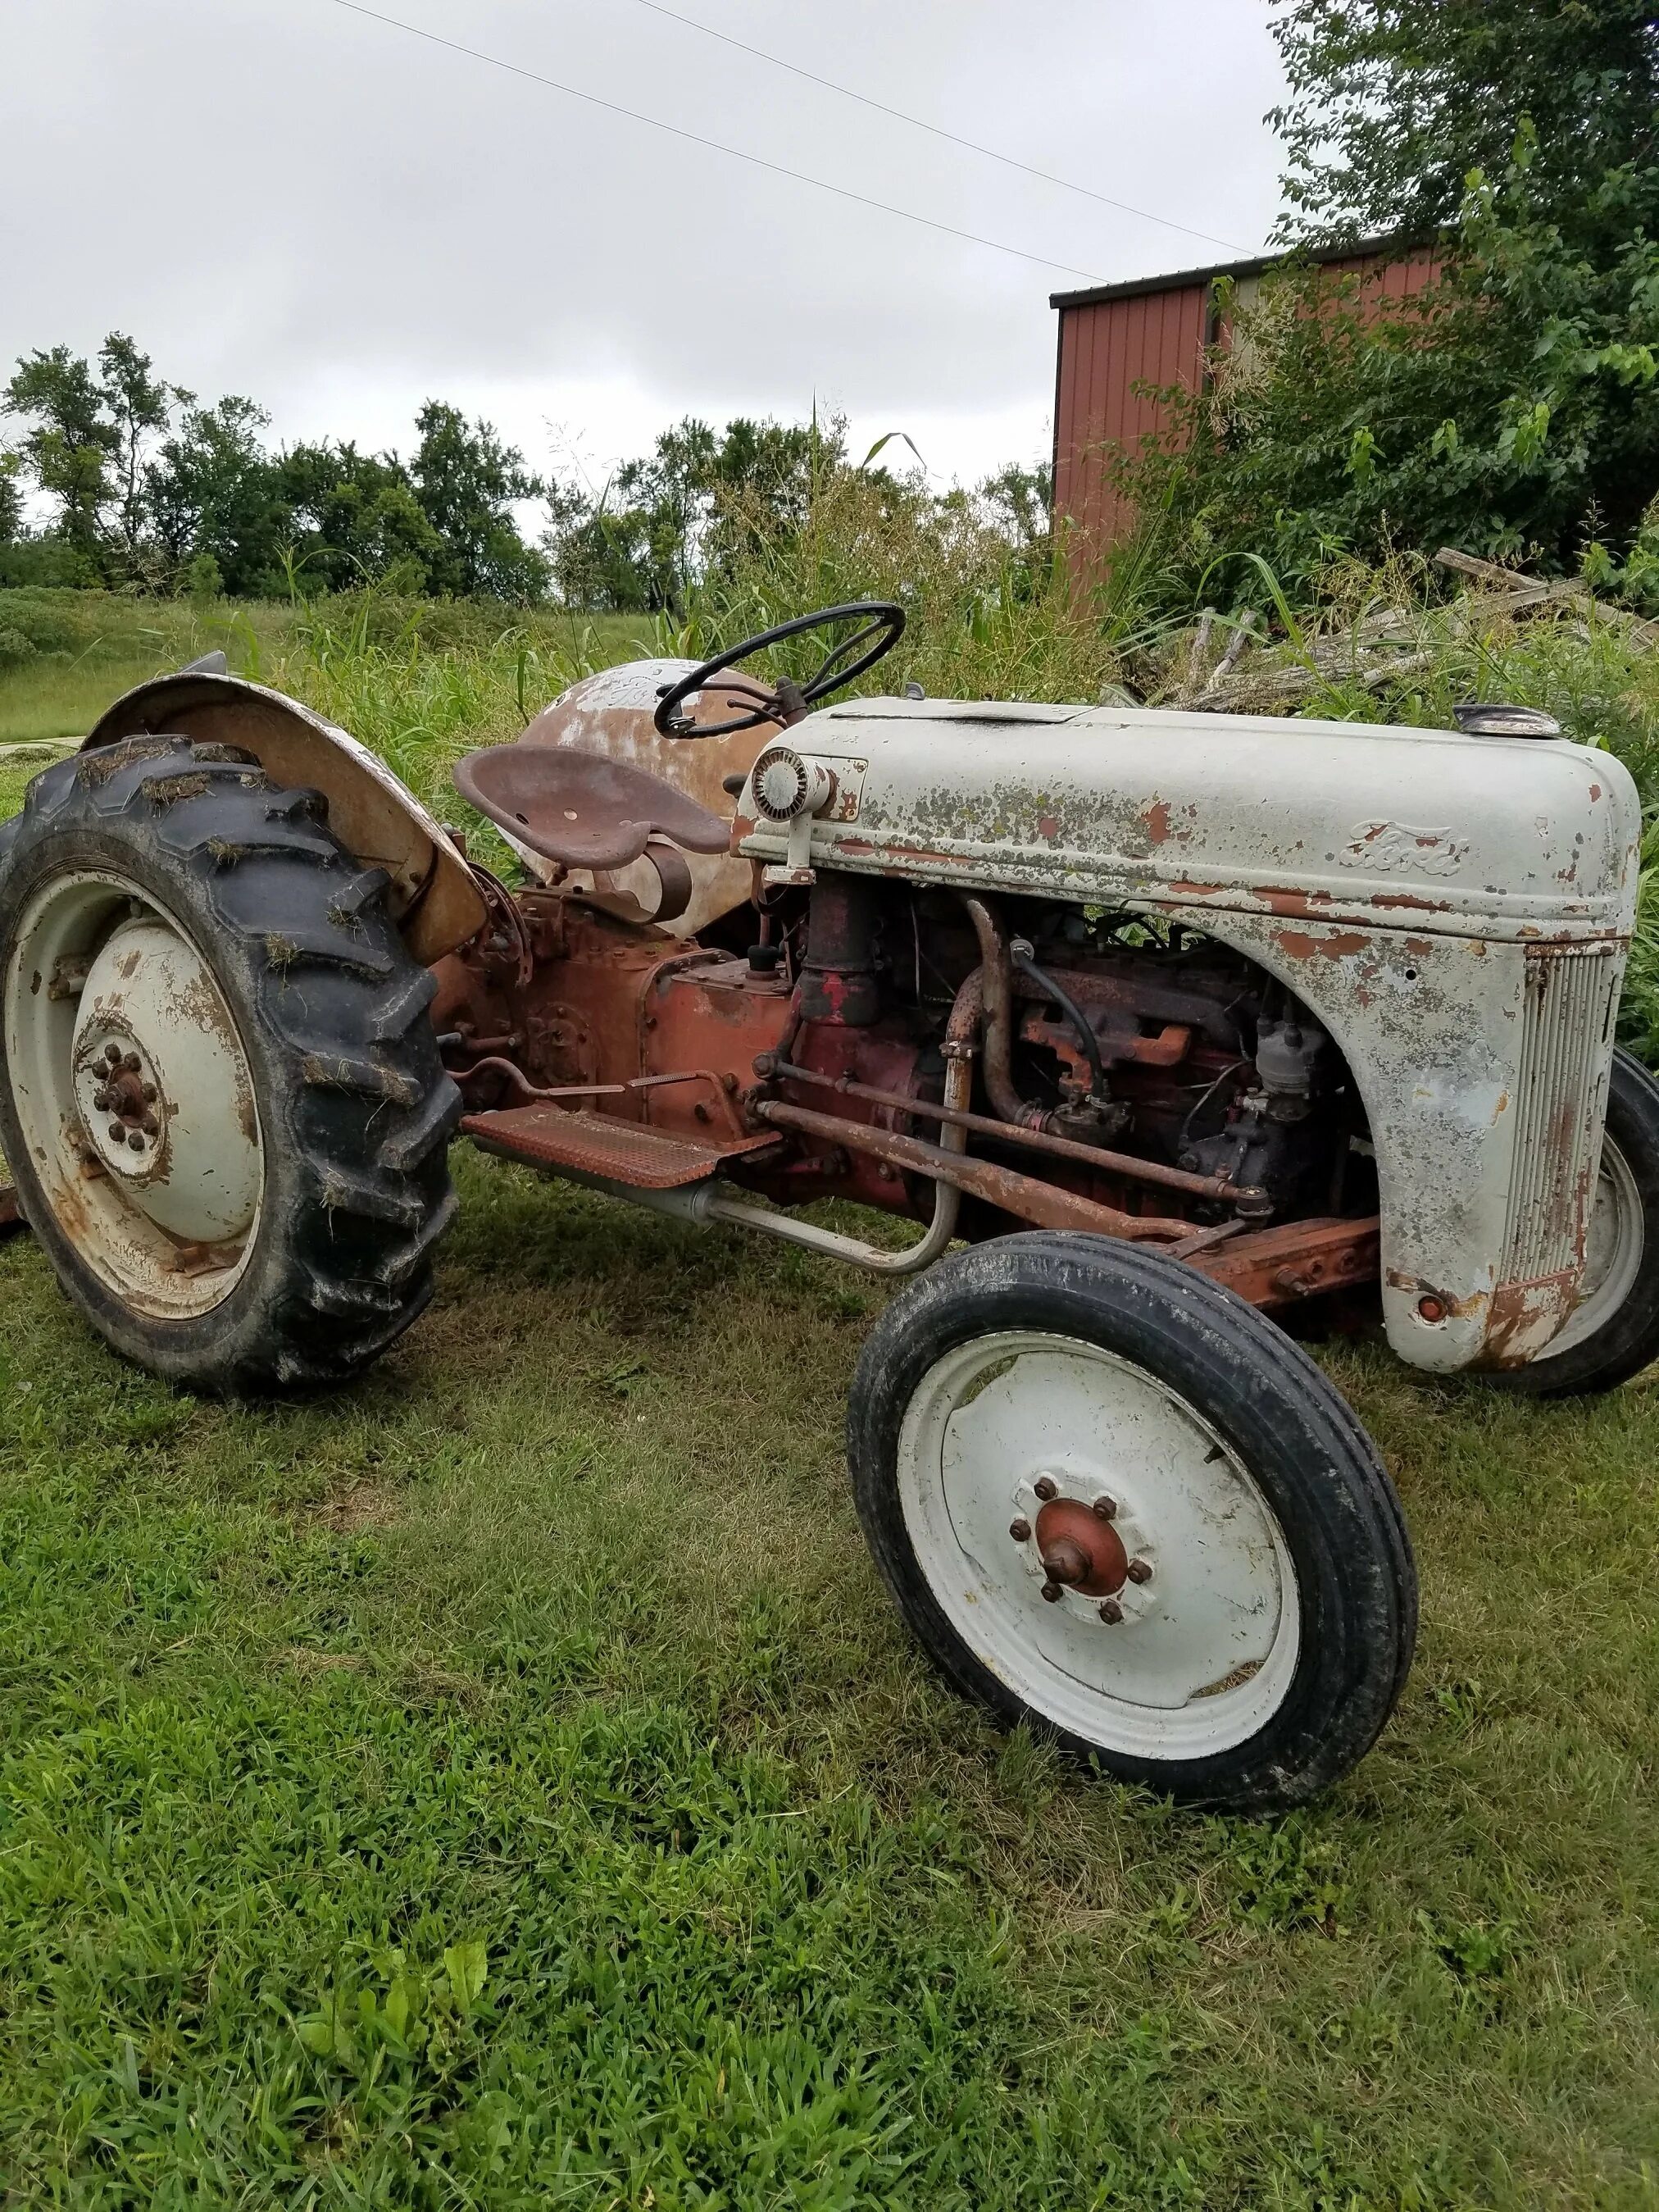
{"points": [[1614, 1245], [1188, 1661], [133, 1093]]}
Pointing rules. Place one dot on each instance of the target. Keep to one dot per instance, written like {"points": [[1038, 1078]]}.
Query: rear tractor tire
{"points": [[1116, 1504], [220, 1095]]}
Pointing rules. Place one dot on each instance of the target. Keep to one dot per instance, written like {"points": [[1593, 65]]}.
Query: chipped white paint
{"points": [[1416, 955]]}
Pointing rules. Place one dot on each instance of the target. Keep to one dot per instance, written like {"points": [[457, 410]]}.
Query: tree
{"points": [[11, 499], [1393, 102], [699, 502], [213, 489], [138, 408], [355, 518], [71, 445], [466, 480]]}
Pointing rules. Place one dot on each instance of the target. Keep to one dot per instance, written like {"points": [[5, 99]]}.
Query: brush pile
{"points": [[1237, 665]]}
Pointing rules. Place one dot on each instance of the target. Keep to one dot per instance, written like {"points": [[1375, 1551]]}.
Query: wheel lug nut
{"points": [[117, 1131], [136, 1140], [1053, 1592], [1141, 1570], [1104, 1509], [149, 1125], [1044, 1488], [1111, 1612], [112, 1054], [131, 1063], [1020, 1531], [101, 1100], [151, 1094]]}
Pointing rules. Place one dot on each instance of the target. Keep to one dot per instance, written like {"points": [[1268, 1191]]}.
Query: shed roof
{"points": [[1094, 295]]}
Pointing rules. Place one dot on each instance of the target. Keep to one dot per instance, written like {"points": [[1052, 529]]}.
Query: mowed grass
{"points": [[506, 1784]]}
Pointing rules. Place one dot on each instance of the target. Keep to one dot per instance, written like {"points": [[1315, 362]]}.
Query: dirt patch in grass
{"points": [[348, 1512]]}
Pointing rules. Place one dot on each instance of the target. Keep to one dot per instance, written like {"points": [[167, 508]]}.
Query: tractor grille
{"points": [[1566, 1040]]}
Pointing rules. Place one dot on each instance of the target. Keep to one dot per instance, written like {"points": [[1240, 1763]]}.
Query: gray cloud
{"points": [[280, 198]]}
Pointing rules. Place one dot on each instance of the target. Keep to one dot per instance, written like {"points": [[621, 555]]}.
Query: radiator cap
{"points": [[1479, 719]]}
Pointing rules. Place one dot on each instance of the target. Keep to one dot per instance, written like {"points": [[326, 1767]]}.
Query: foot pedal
{"points": [[604, 1144]]}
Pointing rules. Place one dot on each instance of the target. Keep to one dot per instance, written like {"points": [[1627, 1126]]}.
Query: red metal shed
{"points": [[1156, 331]]}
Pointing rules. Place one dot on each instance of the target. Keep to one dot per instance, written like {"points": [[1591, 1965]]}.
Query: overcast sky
{"points": [[284, 198]]}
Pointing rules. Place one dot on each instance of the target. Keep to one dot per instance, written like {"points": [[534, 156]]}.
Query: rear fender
{"points": [[433, 900]]}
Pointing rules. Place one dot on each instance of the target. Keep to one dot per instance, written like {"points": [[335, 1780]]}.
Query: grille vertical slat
{"points": [[1566, 1039]]}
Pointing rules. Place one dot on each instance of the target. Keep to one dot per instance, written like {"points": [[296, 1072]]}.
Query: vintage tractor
{"points": [[1190, 1029]]}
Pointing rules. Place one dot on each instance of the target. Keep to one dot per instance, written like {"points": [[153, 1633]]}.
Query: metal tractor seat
{"points": [[582, 810]]}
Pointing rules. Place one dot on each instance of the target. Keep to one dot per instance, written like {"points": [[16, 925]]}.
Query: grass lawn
{"points": [[505, 1783]]}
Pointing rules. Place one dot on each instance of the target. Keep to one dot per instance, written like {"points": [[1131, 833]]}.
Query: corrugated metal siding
{"points": [[1105, 352], [1156, 337]]}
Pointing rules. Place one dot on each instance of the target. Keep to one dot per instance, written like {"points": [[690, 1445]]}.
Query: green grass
{"points": [[550, 1654], [65, 655], [505, 1783]]}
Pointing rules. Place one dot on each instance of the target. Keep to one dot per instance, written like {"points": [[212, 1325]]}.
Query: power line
{"points": [[714, 145], [934, 129]]}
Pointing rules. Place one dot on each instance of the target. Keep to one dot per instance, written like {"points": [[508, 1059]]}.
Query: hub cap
{"points": [[1098, 1546], [134, 1093]]}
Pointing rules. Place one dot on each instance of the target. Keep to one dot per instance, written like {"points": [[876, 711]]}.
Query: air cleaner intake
{"points": [[785, 784]]}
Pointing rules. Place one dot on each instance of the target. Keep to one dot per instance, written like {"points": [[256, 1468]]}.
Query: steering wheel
{"points": [[786, 702]]}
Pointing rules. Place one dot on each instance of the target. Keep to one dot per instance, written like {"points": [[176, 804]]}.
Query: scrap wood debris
{"points": [[1233, 666]]}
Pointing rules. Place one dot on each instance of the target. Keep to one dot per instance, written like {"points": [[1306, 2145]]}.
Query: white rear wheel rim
{"points": [[1612, 1253], [1206, 1649], [160, 1186]]}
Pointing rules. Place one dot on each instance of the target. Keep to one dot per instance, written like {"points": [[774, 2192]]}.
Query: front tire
{"points": [[1116, 1504], [1613, 1331], [220, 1091]]}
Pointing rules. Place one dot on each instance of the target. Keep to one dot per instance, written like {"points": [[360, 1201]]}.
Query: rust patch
{"points": [[1413, 1286], [1337, 946], [1305, 905], [1157, 819], [1525, 1316]]}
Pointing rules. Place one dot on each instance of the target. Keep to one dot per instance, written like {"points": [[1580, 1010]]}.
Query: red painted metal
{"points": [[1045, 1205], [604, 1144], [1295, 1260]]}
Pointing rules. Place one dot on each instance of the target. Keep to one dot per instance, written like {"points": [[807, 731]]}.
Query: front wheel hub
{"points": [[1080, 1550]]}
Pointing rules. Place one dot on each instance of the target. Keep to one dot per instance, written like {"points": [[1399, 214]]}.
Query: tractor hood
{"points": [[1495, 837]]}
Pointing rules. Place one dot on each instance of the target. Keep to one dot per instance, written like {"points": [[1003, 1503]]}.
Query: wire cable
{"points": [[935, 129], [714, 145]]}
